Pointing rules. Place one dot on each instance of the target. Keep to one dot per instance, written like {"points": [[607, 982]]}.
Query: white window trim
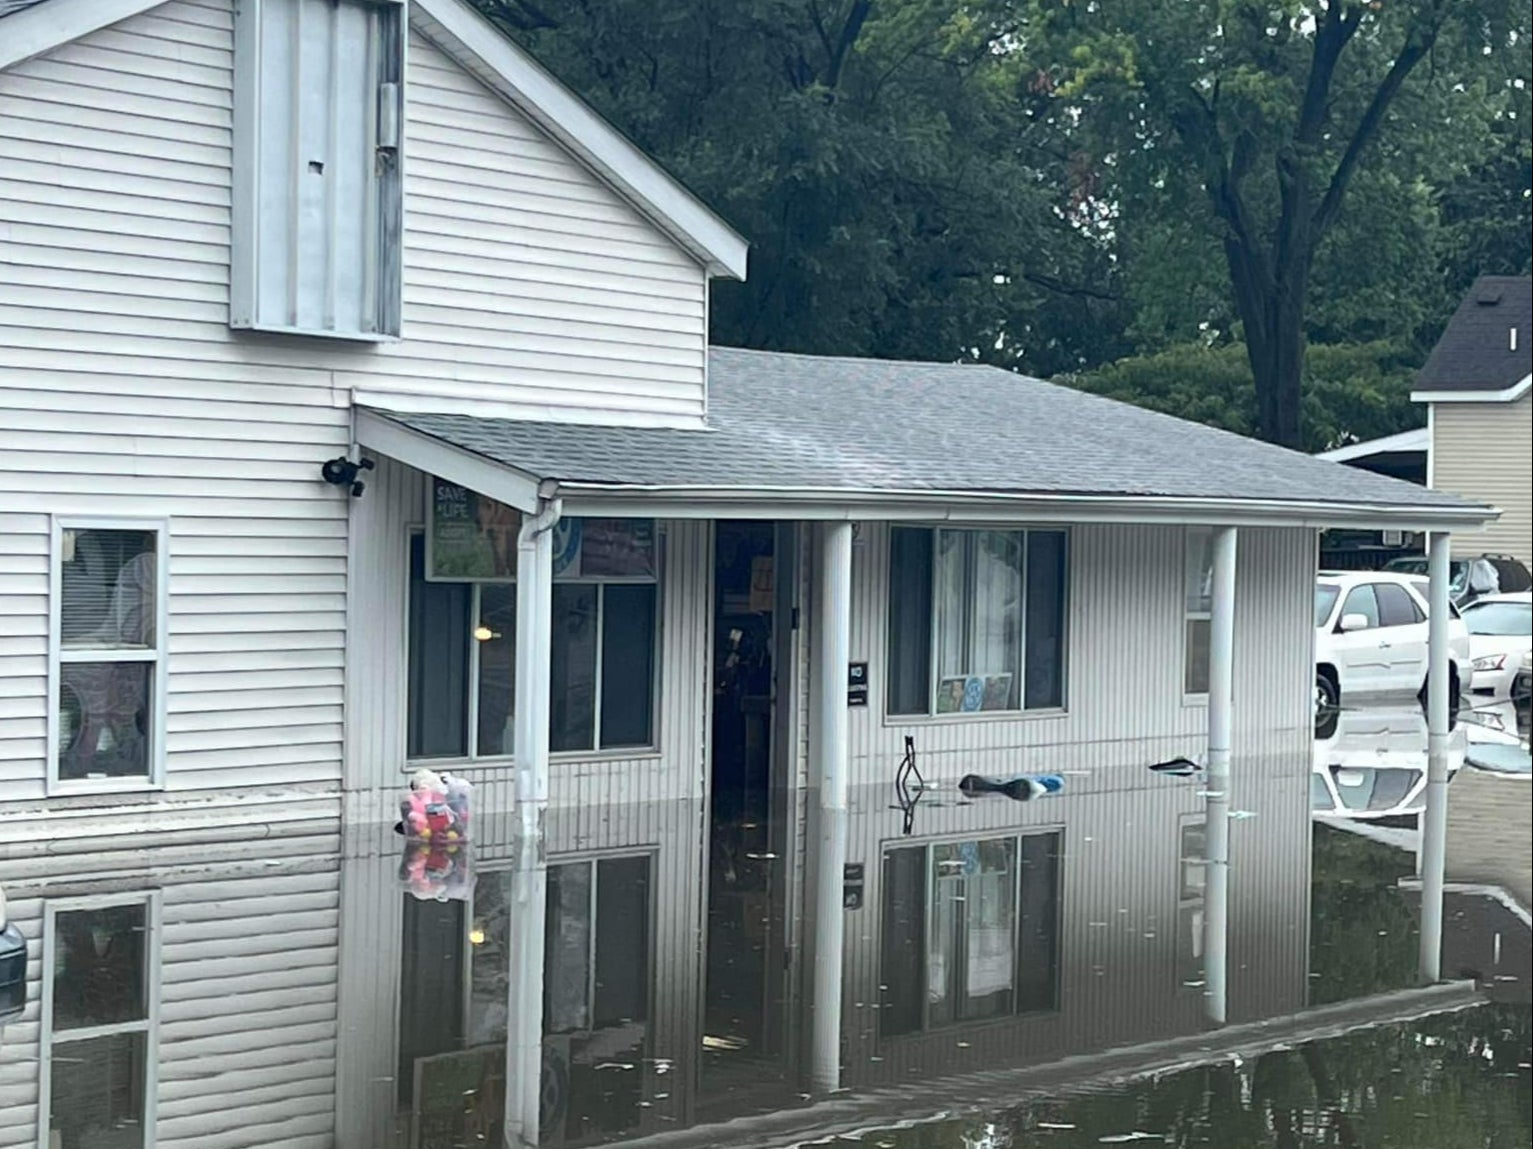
{"points": [[57, 655], [149, 1025], [1022, 712], [1192, 698], [598, 753]]}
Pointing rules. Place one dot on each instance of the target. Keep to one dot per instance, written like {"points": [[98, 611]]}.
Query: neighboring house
{"points": [[1480, 413], [1400, 456], [230, 272]]}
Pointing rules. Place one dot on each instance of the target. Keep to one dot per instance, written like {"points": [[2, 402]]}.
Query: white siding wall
{"points": [[396, 501], [247, 1009], [1484, 452], [531, 290]]}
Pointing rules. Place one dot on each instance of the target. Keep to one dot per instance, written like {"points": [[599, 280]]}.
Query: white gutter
{"points": [[1487, 395]]}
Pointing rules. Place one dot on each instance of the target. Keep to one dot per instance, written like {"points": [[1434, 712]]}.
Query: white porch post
{"points": [[1434, 821], [828, 780], [524, 1031], [1221, 691]]}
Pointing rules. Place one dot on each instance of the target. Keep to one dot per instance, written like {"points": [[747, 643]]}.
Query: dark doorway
{"points": [[744, 1033]]}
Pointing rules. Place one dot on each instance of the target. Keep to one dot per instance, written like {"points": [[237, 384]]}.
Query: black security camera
{"points": [[342, 472]]}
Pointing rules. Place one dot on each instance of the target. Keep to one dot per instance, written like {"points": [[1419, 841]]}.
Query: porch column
{"points": [[828, 781], [1434, 821], [1221, 693], [524, 1029]]}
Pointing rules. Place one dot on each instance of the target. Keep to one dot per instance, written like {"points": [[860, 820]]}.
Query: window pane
{"points": [[438, 663], [430, 986], [98, 970], [902, 972], [107, 598], [1199, 571], [1396, 607], [496, 636], [910, 620], [1038, 924], [572, 702], [1196, 662], [628, 665], [622, 941], [1325, 599], [1046, 595], [989, 938], [489, 939], [996, 627], [105, 721], [950, 576], [97, 1095], [567, 949], [617, 548], [1362, 601]]}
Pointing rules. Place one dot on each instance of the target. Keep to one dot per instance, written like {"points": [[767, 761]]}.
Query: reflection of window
{"points": [[976, 620], [109, 646], [462, 661], [1198, 608], [98, 1022], [970, 931], [1192, 876]]}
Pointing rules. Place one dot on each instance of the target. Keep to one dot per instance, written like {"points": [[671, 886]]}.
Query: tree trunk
{"points": [[1271, 311]]}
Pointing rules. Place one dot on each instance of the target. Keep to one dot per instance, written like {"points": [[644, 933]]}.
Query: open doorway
{"points": [[745, 1032]]}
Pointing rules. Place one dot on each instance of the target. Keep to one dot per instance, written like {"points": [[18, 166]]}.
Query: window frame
{"points": [[995, 834], [149, 1025], [1191, 906], [59, 655], [1203, 535], [1022, 712], [474, 760]]}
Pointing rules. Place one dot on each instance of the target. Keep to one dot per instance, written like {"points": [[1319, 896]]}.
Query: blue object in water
{"points": [[1022, 788]]}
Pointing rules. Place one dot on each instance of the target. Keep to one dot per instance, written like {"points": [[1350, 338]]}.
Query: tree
{"points": [[1272, 114]]}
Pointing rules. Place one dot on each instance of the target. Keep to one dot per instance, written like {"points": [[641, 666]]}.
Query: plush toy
{"points": [[437, 872], [436, 808]]}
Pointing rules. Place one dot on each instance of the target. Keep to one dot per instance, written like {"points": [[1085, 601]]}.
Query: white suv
{"points": [[1371, 638]]}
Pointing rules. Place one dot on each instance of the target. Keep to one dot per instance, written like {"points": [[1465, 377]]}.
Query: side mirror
{"points": [[1351, 622]]}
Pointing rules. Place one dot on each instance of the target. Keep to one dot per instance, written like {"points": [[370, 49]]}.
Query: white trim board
{"points": [[1418, 440], [474, 43], [1505, 395]]}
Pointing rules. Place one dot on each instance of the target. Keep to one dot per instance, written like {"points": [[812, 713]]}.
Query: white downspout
{"points": [[1221, 696], [1434, 820]]}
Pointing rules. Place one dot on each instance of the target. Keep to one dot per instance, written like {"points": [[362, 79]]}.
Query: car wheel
{"points": [[1454, 694], [1327, 692]]}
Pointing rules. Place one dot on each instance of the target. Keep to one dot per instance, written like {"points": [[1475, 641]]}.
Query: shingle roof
{"points": [[1475, 353], [796, 422]]}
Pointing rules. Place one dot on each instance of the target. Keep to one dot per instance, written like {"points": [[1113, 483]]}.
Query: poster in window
{"points": [[997, 695], [472, 537], [617, 548]]}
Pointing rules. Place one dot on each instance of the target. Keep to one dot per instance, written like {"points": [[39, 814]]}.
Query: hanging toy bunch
{"points": [[436, 808], [437, 871]]}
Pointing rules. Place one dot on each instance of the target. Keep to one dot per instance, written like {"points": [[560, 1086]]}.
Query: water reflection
{"points": [[647, 971]]}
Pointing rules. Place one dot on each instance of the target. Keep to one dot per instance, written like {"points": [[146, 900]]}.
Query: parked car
{"points": [[1472, 578], [1371, 638], [1372, 762], [1500, 638], [13, 968]]}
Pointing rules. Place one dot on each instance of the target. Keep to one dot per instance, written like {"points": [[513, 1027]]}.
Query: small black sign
{"points": [[857, 684], [851, 886], [852, 872]]}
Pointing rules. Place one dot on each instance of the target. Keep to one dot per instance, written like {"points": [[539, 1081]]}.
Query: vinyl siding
{"points": [[530, 289], [247, 1006], [1482, 451]]}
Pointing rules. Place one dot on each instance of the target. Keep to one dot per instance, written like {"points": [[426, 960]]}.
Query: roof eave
{"points": [[46, 26], [802, 503], [469, 38], [1485, 395]]}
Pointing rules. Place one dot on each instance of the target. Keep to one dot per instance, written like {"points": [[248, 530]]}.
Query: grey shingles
{"points": [[809, 422], [1475, 352]]}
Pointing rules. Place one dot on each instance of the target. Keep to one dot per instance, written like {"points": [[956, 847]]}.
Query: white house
{"points": [[358, 414]]}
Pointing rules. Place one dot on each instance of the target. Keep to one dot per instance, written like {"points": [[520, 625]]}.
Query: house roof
{"points": [[837, 432], [1485, 351], [33, 27]]}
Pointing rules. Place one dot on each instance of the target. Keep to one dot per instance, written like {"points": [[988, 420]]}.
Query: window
{"points": [[976, 620], [1396, 606], [100, 987], [1325, 599], [462, 659], [1190, 904], [1361, 600], [317, 206], [970, 931], [1502, 619], [108, 653], [1197, 608]]}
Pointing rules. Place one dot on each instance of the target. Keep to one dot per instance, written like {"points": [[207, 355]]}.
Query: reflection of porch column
{"points": [[1434, 821], [524, 1029], [1221, 691], [828, 779]]}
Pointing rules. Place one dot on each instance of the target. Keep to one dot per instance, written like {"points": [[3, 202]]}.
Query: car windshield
{"points": [[1458, 570], [1424, 589], [1408, 566], [1500, 618], [1325, 599]]}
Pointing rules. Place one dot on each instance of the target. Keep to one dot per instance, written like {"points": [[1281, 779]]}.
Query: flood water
{"points": [[1013, 973]]}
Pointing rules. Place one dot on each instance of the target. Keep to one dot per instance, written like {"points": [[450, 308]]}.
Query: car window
{"points": [[1396, 606], [1407, 566], [1325, 599], [1361, 601], [1500, 618], [1514, 578], [1424, 589]]}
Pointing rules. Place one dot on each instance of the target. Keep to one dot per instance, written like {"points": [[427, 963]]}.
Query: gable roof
{"points": [[836, 432], [32, 27], [1485, 353]]}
